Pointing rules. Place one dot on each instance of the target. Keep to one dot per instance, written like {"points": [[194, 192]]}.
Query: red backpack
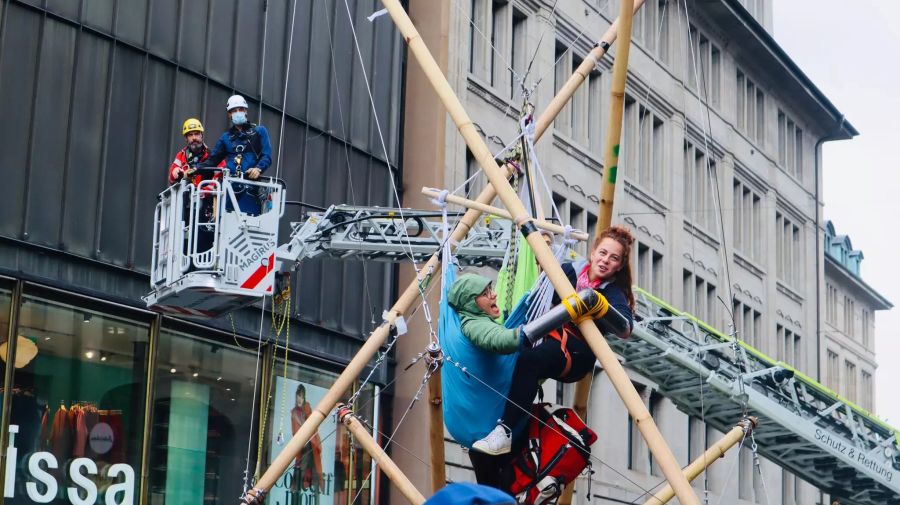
{"points": [[558, 450]]}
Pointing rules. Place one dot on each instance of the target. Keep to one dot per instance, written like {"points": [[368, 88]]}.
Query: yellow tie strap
{"points": [[580, 311]]}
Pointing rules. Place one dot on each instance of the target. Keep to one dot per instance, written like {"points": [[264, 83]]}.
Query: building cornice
{"points": [[876, 299], [759, 49]]}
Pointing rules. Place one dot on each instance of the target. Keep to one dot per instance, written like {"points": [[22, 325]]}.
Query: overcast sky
{"points": [[849, 49]]}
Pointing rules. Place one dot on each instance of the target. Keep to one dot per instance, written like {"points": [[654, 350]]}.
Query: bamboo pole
{"points": [[713, 454], [404, 302], [608, 185], [544, 255], [434, 360], [617, 106], [497, 211], [390, 469]]}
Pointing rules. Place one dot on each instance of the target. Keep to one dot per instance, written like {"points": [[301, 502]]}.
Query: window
{"points": [[651, 29], [518, 57], [648, 268], [698, 192], [656, 404], [790, 488], [476, 185], [832, 379], [789, 349], [496, 43], [831, 304], [335, 473], [868, 391], [849, 317], [790, 146], [866, 328], [700, 298], [581, 119], [750, 109], [643, 146], [704, 66], [82, 375], [561, 72], [696, 438], [850, 391], [748, 234], [637, 448], [203, 407], [591, 231], [748, 324], [789, 251], [478, 31]]}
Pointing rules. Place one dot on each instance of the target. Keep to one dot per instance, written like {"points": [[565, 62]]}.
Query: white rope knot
{"points": [[441, 199], [567, 235], [528, 130]]}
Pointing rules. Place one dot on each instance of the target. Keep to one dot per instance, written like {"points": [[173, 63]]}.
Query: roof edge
{"points": [[844, 130]]}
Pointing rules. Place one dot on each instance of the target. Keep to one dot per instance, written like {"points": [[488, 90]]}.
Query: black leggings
{"points": [[545, 361]]}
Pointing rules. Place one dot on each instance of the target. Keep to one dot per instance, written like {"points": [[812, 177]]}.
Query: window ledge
{"points": [[789, 291], [645, 196], [577, 151], [749, 265], [490, 95], [701, 234]]}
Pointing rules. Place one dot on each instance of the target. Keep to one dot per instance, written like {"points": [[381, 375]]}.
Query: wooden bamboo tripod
{"points": [[544, 255], [378, 336], [714, 453]]}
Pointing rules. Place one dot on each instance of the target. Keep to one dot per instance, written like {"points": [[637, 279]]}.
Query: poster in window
{"points": [[310, 480]]}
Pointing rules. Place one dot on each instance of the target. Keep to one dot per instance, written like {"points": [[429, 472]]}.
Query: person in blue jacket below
{"points": [[246, 149], [564, 355]]}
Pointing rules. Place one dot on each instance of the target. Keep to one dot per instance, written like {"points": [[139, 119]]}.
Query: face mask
{"points": [[239, 118]]}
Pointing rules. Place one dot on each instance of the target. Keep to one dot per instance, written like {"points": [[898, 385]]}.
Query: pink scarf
{"points": [[584, 281]]}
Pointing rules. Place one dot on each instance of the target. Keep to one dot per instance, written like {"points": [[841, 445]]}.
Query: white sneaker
{"points": [[497, 442]]}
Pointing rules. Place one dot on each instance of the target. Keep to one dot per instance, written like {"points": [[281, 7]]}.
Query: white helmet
{"points": [[235, 101]]}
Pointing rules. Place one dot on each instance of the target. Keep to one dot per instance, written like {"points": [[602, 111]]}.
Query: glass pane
{"points": [[202, 421], [78, 412], [330, 470]]}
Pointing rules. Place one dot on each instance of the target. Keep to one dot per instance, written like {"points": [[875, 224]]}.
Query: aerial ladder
{"points": [[209, 258]]}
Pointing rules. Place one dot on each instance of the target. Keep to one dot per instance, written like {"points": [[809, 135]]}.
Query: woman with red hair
{"points": [[564, 355]]}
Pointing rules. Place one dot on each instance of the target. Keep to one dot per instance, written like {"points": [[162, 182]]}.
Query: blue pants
{"points": [[248, 202]]}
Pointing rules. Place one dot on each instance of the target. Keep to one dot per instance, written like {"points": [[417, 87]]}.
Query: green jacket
{"points": [[483, 331]]}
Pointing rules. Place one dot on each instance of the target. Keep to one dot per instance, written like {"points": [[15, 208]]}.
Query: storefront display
{"points": [[76, 419], [80, 431]]}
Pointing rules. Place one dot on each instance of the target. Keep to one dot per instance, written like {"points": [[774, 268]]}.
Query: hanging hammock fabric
{"points": [[471, 409], [525, 274]]}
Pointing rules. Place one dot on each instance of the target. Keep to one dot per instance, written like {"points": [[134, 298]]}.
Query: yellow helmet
{"points": [[191, 125]]}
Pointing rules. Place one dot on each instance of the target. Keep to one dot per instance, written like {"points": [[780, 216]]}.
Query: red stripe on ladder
{"points": [[259, 274]]}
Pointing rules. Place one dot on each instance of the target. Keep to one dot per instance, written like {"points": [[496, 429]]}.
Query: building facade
{"points": [[108, 402], [850, 306], [722, 187]]}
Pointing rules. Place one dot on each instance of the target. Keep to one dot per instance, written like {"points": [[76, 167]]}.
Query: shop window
{"points": [[202, 418], [331, 468], [77, 416]]}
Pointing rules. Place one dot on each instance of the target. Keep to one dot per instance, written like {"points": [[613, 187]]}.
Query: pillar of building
{"points": [[424, 134]]}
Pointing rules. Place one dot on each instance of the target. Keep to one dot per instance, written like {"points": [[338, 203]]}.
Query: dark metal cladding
{"points": [[94, 95]]}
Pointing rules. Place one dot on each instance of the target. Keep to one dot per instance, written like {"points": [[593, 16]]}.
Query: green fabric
{"points": [[482, 330], [527, 273]]}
